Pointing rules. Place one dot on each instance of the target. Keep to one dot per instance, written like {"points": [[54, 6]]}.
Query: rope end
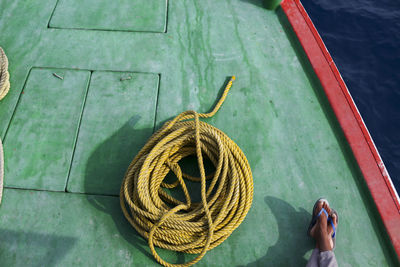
{"points": [[233, 78]]}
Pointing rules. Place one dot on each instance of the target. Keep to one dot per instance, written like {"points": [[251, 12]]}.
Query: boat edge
{"points": [[357, 135]]}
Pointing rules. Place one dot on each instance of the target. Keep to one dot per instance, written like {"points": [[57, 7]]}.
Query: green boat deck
{"points": [[128, 66]]}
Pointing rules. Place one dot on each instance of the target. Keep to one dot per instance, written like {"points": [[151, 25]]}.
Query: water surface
{"points": [[363, 37]]}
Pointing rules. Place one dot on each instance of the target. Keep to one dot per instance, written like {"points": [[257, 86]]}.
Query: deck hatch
{"points": [[42, 133], [121, 15], [116, 122]]}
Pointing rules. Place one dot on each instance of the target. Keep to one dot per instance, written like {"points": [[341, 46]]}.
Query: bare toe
{"points": [[319, 207], [327, 208]]}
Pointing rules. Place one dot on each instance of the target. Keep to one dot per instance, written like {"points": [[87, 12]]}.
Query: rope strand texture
{"points": [[187, 227], [4, 75], [4, 88]]}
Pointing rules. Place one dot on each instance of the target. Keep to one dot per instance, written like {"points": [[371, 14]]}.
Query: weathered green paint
{"points": [[276, 112], [117, 120], [63, 229], [121, 15], [43, 130]]}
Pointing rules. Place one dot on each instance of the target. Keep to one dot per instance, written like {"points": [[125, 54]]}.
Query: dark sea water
{"points": [[363, 37]]}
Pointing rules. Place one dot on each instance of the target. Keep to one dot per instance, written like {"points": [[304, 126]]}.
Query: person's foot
{"points": [[321, 204], [322, 230], [321, 234]]}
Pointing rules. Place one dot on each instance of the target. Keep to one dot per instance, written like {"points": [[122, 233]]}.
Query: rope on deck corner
{"points": [[4, 75], [4, 88], [187, 227]]}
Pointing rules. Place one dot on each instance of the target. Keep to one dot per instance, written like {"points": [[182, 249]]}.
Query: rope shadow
{"points": [[105, 170]]}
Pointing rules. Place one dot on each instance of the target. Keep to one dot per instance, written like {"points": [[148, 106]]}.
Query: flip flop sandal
{"points": [[315, 217], [333, 226]]}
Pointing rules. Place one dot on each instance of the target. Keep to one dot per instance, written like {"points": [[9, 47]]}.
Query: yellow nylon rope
{"points": [[4, 88], [4, 75], [187, 227]]}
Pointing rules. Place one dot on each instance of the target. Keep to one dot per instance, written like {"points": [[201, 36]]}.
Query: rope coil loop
{"points": [[4, 88], [187, 227], [4, 75]]}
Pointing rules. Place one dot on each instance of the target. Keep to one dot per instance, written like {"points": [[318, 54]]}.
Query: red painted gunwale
{"points": [[350, 120]]}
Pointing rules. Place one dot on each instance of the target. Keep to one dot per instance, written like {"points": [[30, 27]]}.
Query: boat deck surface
{"points": [[125, 70]]}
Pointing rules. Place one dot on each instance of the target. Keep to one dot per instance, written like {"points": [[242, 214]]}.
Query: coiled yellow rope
{"points": [[4, 88], [4, 75], [187, 227]]}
